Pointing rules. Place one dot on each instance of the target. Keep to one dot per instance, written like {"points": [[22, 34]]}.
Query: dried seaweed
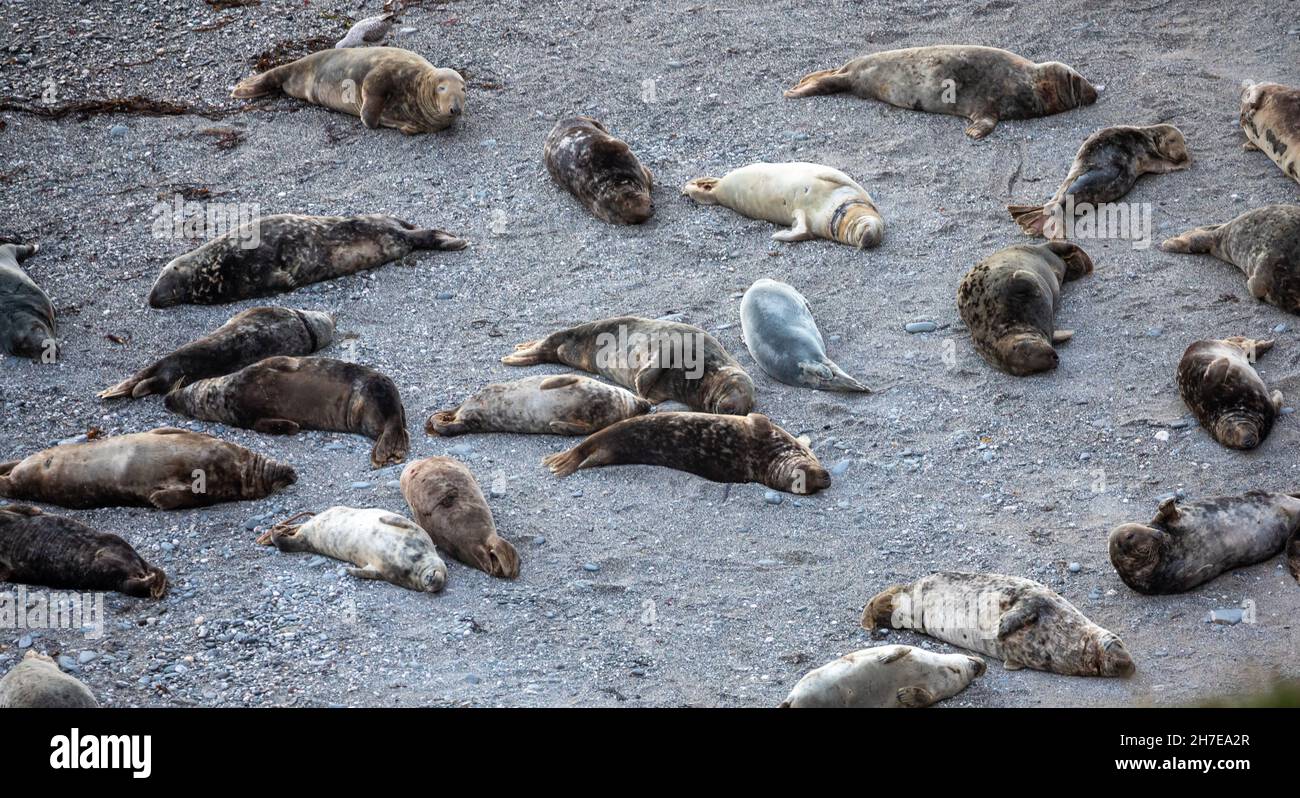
{"points": [[222, 5], [224, 138], [135, 104]]}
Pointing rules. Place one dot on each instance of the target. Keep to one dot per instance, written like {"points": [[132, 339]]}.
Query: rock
{"points": [[1228, 617], [462, 450], [118, 131], [915, 327], [1075, 567], [591, 567], [68, 663], [87, 657], [772, 497], [25, 641], [359, 485], [446, 295], [839, 469]]}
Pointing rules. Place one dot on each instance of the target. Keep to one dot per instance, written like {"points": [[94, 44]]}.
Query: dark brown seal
{"points": [[37, 683], [385, 86], [717, 447], [660, 360], [253, 335], [982, 84], [1220, 386], [168, 468], [1106, 167], [1187, 545], [274, 254], [47, 550], [1263, 243], [1270, 118], [600, 170], [281, 395], [27, 327], [566, 404], [1009, 302], [447, 503]]}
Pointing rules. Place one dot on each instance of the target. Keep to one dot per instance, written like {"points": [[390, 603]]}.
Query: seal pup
{"points": [[658, 359], [1270, 118], [1263, 243], [447, 503], [37, 683], [385, 86], [1009, 301], [983, 84], [783, 338], [274, 254], [1187, 545], [167, 468], [568, 404], [282, 395], [1106, 167], [51, 551], [721, 448], [600, 170], [27, 326], [1219, 385], [814, 201], [1019, 621], [885, 677], [252, 335], [380, 544]]}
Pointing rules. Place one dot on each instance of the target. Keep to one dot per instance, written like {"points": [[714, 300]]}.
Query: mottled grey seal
{"points": [[600, 170], [567, 404], [717, 447], [252, 335], [783, 338], [27, 326], [1009, 301], [282, 395], [1220, 386], [37, 683], [1189, 544], [273, 254], [1270, 118], [1019, 621], [447, 503], [1263, 243], [885, 677], [982, 84], [167, 468]]}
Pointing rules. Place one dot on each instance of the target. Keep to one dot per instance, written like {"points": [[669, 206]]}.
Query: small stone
{"points": [[118, 131], [1095, 594], [1075, 567], [1162, 435], [1228, 617], [1155, 332], [591, 567], [915, 327], [1281, 328], [25, 641], [87, 657], [839, 469], [446, 295], [68, 663], [462, 450], [772, 497], [359, 485]]}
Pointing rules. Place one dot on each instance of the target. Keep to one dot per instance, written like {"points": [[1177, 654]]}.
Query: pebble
{"points": [[920, 327], [772, 497], [25, 641], [87, 657], [1281, 328], [1095, 594], [68, 663], [1155, 332], [462, 450], [839, 469], [446, 295], [1075, 567], [360, 485], [118, 131], [591, 567], [1228, 617]]}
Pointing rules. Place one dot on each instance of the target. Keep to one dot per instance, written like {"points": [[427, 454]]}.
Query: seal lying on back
{"points": [[1019, 621], [600, 171], [567, 404], [885, 677], [253, 335], [1189, 544], [447, 503], [273, 254], [1009, 302], [282, 395], [168, 468], [815, 201], [660, 360], [27, 327], [37, 683], [783, 337], [385, 86], [1270, 118], [721, 448], [1263, 243], [47, 550], [1222, 389], [1105, 168], [380, 544], [982, 84]]}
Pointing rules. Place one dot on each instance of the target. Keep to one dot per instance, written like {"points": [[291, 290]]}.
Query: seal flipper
{"points": [[1166, 512], [826, 81], [562, 381], [1216, 372], [1061, 336], [1196, 242], [570, 428], [134, 388], [446, 424], [798, 232], [435, 239], [647, 377], [369, 571], [915, 697], [392, 444], [276, 426], [530, 353], [374, 97], [173, 498], [1031, 218], [1018, 617], [826, 376], [981, 125]]}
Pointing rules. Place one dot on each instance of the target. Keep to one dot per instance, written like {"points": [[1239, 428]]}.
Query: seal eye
{"points": [[442, 88], [448, 500]]}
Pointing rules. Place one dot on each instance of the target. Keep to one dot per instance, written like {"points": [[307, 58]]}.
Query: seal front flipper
{"points": [[435, 239], [1167, 512], [648, 377], [981, 126], [570, 428], [276, 426], [562, 381], [374, 96], [1216, 372], [1024, 613], [368, 572], [826, 81], [915, 697], [173, 498], [798, 232]]}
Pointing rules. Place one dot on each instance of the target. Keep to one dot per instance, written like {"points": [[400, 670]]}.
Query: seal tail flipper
{"points": [[435, 239], [562, 464], [1194, 242], [530, 353], [283, 531], [701, 190], [153, 585], [268, 82], [879, 612], [826, 81], [1031, 218], [444, 423], [391, 447]]}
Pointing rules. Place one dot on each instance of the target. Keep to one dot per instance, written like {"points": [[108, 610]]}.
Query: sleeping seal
{"points": [[1220, 386], [783, 338], [37, 683], [885, 677], [447, 503], [1270, 118], [1263, 243], [567, 404], [27, 327], [600, 170]]}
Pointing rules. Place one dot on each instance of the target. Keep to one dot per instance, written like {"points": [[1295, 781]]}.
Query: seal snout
{"points": [[1238, 433], [1115, 659]]}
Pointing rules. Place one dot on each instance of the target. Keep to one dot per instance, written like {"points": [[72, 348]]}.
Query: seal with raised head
{"points": [[27, 326], [1189, 544], [658, 359], [1009, 302], [600, 170], [1106, 167], [57, 552], [814, 201], [717, 447], [1263, 243], [37, 683], [885, 677], [447, 503], [783, 338], [282, 395], [253, 335], [982, 84], [1270, 118], [385, 86], [274, 254], [567, 404], [379, 544], [167, 468], [1021, 622], [1220, 386]]}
